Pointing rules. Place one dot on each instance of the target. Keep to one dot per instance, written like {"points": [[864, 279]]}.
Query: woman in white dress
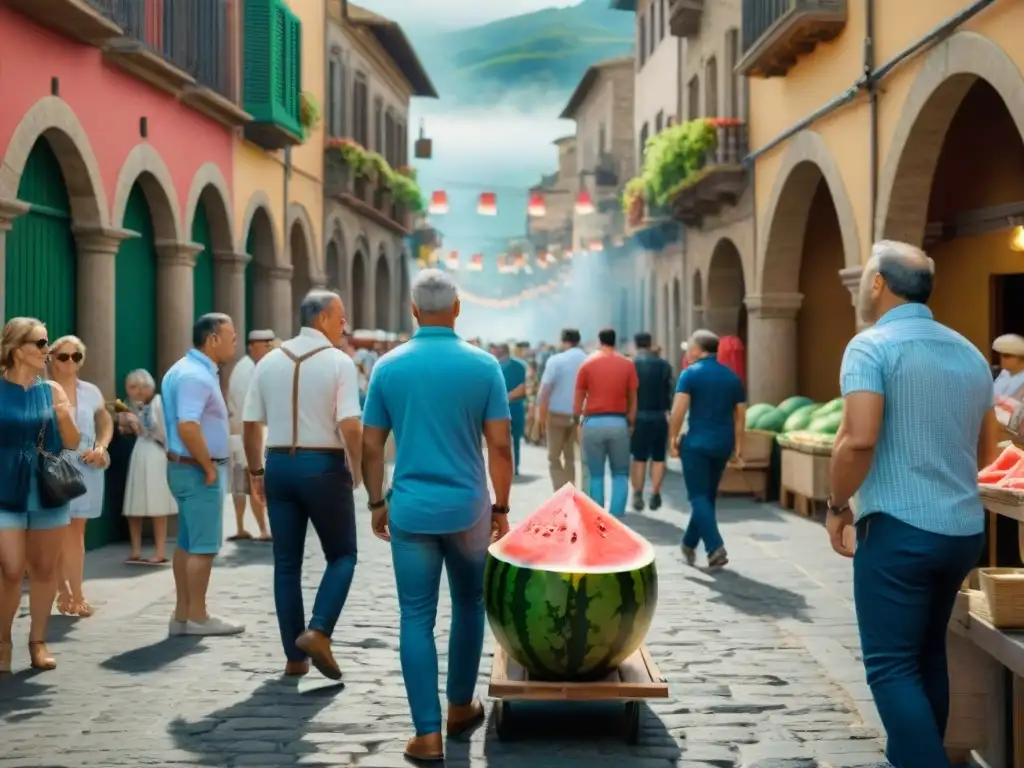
{"points": [[96, 428], [146, 493]]}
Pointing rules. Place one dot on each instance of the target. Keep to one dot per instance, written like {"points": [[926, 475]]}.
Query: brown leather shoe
{"points": [[428, 748], [317, 646], [464, 717], [39, 656], [296, 668]]}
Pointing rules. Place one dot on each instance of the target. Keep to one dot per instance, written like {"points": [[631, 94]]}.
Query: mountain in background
{"points": [[523, 59]]}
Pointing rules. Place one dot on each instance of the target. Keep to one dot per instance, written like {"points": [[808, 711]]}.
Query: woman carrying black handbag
{"points": [[36, 422]]}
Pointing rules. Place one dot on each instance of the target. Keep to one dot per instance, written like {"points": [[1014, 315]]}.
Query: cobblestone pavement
{"points": [[761, 659]]}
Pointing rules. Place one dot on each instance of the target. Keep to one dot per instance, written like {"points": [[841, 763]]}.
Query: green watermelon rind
{"points": [[771, 421], [800, 418], [791, 405], [569, 626], [827, 424], [755, 412], [832, 406]]}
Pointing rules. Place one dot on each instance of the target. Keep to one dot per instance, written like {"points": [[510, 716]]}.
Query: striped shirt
{"points": [[938, 390]]}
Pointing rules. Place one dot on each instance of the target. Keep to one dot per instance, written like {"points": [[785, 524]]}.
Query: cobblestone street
{"points": [[761, 658]]}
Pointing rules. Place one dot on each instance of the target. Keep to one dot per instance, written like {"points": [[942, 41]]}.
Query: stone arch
{"points": [[145, 166], [259, 203], [382, 290], [404, 294], [724, 311], [336, 260], [678, 326], [359, 282], [807, 161], [52, 119], [696, 301], [298, 216], [210, 188], [948, 72]]}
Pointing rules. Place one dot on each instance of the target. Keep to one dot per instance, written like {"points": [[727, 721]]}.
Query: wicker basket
{"points": [[1004, 593]]}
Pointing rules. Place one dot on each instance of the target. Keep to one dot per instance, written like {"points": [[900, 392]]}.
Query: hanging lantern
{"points": [[452, 261], [424, 148], [438, 203], [488, 205], [536, 206], [476, 262], [584, 204]]}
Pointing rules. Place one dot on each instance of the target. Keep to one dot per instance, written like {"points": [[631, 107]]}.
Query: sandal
{"points": [[39, 656], [83, 609], [65, 605], [156, 561], [6, 651], [133, 560], [243, 536], [265, 537]]}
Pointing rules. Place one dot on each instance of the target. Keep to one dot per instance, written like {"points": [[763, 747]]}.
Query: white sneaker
{"points": [[213, 626], [176, 628]]}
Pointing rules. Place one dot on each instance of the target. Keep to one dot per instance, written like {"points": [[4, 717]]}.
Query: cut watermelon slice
{"points": [[1008, 459]]}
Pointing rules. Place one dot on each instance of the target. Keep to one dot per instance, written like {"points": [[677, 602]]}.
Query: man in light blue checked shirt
{"points": [[918, 423]]}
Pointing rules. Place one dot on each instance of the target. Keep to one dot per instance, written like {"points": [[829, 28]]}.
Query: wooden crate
{"points": [[745, 480], [757, 446], [968, 695], [804, 482]]}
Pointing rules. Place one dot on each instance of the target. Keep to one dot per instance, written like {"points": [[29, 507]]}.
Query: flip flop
{"points": [[245, 536], [265, 539], [133, 561], [155, 561]]}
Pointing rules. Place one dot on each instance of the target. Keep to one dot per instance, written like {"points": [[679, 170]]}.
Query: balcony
{"points": [[362, 197], [77, 19], [606, 173], [184, 47], [777, 32], [272, 74], [337, 178], [684, 17], [719, 182]]}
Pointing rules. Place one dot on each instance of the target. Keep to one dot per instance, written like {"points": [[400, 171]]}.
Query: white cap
{"points": [[261, 336], [1009, 344]]}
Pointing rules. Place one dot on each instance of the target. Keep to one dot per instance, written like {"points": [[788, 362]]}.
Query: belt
{"points": [[595, 415], [289, 449], [177, 459]]}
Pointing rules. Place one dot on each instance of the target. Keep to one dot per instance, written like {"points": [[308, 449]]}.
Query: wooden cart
{"points": [[637, 678]]}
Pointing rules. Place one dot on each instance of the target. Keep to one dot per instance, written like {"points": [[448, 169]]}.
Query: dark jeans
{"points": [[702, 472], [310, 487], [905, 582]]}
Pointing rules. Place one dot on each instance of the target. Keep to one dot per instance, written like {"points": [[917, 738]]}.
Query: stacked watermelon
{"points": [[797, 414], [1005, 472]]}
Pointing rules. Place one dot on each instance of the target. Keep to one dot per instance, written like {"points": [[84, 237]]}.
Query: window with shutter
{"points": [[360, 118], [332, 98], [272, 78], [390, 144], [403, 144], [378, 125]]}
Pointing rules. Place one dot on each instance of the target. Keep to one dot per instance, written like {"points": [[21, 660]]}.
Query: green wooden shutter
{"points": [[272, 77], [203, 274], [294, 67], [40, 273], [135, 285]]}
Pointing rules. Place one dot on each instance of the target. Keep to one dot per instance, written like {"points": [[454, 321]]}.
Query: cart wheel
{"points": [[502, 724], [632, 722]]}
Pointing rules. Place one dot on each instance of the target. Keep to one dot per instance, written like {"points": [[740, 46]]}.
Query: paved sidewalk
{"points": [[752, 654]]}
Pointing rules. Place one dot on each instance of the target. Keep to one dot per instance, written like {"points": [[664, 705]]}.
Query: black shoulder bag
{"points": [[59, 479]]}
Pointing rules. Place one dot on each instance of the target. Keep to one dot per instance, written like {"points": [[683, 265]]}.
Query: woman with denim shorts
{"points": [[32, 411]]}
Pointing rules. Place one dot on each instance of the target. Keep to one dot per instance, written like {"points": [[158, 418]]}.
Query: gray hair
{"points": [[140, 376], [706, 341], [315, 303], [206, 326], [433, 291], [907, 270]]}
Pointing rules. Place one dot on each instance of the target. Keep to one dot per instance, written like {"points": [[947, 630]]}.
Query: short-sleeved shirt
{"points": [[191, 392], [435, 392], [328, 393], [938, 390], [559, 378], [654, 392], [714, 392], [514, 371], [606, 379]]}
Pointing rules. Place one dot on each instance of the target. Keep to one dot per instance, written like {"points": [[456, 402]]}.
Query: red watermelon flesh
{"points": [[1009, 463], [571, 533]]}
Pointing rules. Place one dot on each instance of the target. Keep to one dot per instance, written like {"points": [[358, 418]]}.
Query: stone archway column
{"points": [[280, 295], [174, 301], [229, 290], [96, 289], [851, 279], [771, 346], [9, 211], [697, 315]]}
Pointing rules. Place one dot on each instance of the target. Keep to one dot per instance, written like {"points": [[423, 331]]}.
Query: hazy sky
{"points": [[456, 13]]}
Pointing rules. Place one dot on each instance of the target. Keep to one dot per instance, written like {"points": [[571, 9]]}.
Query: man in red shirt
{"points": [[605, 405]]}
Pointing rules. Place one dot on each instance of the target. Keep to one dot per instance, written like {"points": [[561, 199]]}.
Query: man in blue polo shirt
{"points": [[438, 394], [198, 448]]}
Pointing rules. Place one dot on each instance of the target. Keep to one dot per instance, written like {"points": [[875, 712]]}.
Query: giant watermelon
{"points": [[771, 421], [571, 591], [827, 425], [832, 406], [800, 418], [791, 405], [756, 411]]}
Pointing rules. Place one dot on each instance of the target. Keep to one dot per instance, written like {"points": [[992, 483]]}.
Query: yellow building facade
{"points": [[278, 196], [930, 151]]}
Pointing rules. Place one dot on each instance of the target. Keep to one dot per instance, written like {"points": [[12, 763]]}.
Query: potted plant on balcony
{"points": [[633, 203], [345, 160], [407, 194], [309, 113], [381, 177], [674, 156]]}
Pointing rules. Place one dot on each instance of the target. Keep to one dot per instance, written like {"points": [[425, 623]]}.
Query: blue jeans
{"points": [[417, 560], [702, 472], [605, 440], [905, 582], [310, 487]]}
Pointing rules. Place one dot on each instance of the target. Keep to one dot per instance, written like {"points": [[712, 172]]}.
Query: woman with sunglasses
{"points": [[30, 534], [96, 427]]}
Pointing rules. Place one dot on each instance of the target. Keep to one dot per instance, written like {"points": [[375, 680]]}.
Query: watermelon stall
{"points": [[569, 595]]}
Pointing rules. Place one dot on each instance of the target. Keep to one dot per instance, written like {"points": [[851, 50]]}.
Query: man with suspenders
{"points": [[307, 394]]}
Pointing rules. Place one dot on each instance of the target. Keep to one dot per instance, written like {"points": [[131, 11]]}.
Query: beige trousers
{"points": [[561, 449]]}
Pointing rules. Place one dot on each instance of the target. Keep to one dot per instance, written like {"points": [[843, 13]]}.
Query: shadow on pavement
{"points": [[21, 696], [151, 658], [246, 553], [658, 532], [278, 711], [756, 598], [543, 729]]}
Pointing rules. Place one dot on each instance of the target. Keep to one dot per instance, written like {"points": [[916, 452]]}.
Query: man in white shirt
{"points": [[238, 387], [307, 394]]}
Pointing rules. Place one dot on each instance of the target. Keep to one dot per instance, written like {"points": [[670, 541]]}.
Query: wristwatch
{"points": [[498, 509], [257, 472], [833, 509], [375, 505]]}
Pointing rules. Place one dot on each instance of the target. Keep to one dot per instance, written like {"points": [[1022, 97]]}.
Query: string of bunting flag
{"points": [[487, 204], [506, 263]]}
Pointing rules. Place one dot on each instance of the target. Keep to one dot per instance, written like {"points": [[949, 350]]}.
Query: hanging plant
{"points": [[407, 192], [309, 112], [377, 170], [633, 204], [352, 154], [673, 155], [406, 170]]}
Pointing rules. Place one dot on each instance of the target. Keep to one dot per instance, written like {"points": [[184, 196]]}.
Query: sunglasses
{"points": [[74, 356], [38, 343]]}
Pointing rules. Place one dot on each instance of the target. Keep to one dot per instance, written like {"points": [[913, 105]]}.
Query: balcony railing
{"points": [[776, 32], [193, 36], [720, 181]]}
